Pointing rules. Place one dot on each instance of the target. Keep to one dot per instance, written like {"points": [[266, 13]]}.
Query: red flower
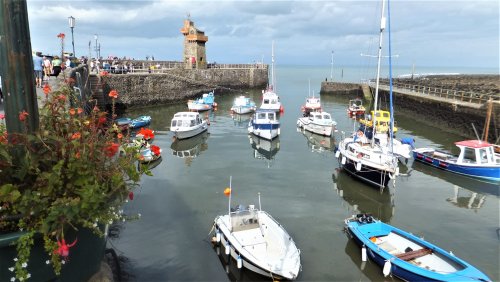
{"points": [[72, 111], [119, 136], [76, 135], [23, 115], [46, 89], [113, 94], [131, 195], [77, 155], [101, 120], [80, 110], [63, 249], [146, 133], [61, 97], [104, 73], [61, 35], [156, 150], [111, 149], [2, 116]]}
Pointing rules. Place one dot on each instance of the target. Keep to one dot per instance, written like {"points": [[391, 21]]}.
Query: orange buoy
{"points": [[227, 191]]}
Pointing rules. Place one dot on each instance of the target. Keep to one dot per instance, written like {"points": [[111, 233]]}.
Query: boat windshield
{"points": [[270, 116], [326, 117], [261, 116]]}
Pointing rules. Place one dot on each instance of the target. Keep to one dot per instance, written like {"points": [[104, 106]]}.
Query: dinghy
{"points": [[405, 255], [257, 241]]}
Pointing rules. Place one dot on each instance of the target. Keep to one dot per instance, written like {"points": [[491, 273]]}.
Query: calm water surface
{"points": [[301, 187]]}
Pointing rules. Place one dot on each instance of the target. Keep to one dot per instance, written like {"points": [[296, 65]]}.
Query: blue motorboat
{"points": [[205, 103], [405, 255], [476, 159], [140, 122], [264, 124]]}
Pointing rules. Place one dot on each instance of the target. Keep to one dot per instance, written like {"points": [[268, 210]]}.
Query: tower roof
{"points": [[192, 33]]}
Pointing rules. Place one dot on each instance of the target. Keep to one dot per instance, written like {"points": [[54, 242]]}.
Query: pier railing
{"points": [[452, 94], [165, 66]]}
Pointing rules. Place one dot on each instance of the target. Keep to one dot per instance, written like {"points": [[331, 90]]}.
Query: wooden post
{"points": [[16, 67], [488, 118]]}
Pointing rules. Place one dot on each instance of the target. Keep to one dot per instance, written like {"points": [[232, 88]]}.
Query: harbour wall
{"points": [[453, 117], [450, 103], [175, 85]]}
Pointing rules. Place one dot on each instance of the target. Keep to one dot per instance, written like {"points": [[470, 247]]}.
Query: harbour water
{"points": [[301, 186]]}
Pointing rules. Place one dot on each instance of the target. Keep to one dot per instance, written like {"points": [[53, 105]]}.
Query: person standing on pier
{"points": [[56, 65], [47, 68], [38, 67]]}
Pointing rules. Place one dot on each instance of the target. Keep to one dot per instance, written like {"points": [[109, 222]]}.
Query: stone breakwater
{"points": [[448, 115], [176, 85]]}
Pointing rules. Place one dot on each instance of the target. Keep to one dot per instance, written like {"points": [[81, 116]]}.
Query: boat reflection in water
{"points": [[190, 148], [363, 199], [241, 120], [368, 268], [152, 164], [264, 149], [468, 192], [318, 143], [231, 268]]}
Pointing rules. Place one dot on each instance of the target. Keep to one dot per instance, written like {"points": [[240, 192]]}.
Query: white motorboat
{"points": [[271, 100], [187, 124], [243, 105], [318, 122], [264, 124], [257, 241]]}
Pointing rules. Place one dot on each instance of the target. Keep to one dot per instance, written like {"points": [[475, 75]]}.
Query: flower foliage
{"points": [[73, 172]]}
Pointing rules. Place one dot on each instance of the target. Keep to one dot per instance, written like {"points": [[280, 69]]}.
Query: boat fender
{"points": [[239, 262], [387, 268], [217, 236], [337, 154], [343, 160], [363, 253], [358, 166], [228, 248]]}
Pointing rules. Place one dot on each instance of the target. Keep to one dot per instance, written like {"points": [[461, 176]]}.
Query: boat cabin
{"points": [[320, 116], [383, 121], [476, 152], [244, 218], [270, 98], [265, 116], [186, 119], [356, 104]]}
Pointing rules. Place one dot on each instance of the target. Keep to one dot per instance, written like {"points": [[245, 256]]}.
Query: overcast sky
{"points": [[429, 33]]}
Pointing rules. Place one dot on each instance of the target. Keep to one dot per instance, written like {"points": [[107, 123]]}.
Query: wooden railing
{"points": [[456, 95]]}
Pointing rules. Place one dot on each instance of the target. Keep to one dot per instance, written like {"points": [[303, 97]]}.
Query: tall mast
{"points": [[379, 55], [273, 82]]}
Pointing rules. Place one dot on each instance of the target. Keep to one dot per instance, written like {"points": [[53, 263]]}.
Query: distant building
{"points": [[195, 56]]}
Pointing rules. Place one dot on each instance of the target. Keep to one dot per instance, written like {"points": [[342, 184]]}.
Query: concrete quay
{"points": [[451, 103]]}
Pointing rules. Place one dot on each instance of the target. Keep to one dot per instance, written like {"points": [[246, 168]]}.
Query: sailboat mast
{"points": [[273, 82], [230, 194], [379, 56]]}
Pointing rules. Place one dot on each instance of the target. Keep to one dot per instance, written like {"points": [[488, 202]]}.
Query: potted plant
{"points": [[70, 176]]}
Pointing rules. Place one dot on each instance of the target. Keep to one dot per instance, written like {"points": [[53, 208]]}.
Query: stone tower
{"points": [[195, 56]]}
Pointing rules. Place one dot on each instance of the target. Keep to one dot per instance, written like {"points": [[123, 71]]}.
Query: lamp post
{"points": [[96, 53], [71, 20]]}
